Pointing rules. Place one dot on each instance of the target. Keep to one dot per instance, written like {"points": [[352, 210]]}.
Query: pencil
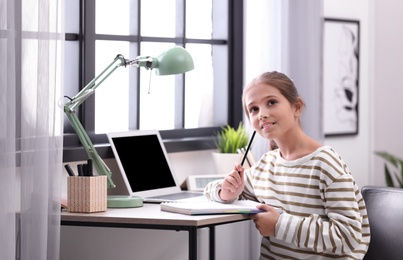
{"points": [[247, 157], [69, 170], [248, 148]]}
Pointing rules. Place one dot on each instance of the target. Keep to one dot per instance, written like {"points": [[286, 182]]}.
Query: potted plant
{"points": [[228, 142], [393, 178]]}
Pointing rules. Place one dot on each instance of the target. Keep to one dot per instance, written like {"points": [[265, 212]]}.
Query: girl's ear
{"points": [[298, 108]]}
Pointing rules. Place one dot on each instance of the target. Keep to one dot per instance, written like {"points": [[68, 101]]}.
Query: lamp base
{"points": [[122, 201]]}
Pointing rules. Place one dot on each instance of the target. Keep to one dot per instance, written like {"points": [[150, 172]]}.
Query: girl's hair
{"points": [[279, 81]]}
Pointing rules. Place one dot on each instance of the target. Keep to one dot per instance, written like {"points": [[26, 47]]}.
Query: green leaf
{"points": [[401, 174], [398, 164], [388, 177], [390, 158], [229, 140]]}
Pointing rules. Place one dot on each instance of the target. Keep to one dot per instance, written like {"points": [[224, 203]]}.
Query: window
{"points": [[188, 109]]}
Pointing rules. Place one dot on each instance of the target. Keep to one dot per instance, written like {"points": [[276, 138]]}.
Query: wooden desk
{"points": [[151, 217]]}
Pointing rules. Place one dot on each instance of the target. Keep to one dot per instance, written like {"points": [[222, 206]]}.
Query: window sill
{"points": [[78, 153]]}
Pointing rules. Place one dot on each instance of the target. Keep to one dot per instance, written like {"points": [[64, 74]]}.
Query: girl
{"points": [[323, 213]]}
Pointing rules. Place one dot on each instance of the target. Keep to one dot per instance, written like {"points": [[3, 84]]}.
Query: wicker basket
{"points": [[87, 194]]}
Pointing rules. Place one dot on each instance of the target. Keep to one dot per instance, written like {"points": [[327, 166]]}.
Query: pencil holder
{"points": [[86, 194]]}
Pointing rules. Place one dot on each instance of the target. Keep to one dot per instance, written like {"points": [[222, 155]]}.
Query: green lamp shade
{"points": [[174, 61]]}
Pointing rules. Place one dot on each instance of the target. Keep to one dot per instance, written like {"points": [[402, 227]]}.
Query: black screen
{"points": [[144, 162]]}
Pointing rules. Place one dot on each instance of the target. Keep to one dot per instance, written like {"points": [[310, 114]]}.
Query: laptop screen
{"points": [[142, 160]]}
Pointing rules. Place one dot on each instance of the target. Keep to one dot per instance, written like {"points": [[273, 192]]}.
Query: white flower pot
{"points": [[225, 162]]}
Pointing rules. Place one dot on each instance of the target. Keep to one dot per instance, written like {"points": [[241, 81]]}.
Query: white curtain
{"points": [[290, 41], [31, 138], [286, 35]]}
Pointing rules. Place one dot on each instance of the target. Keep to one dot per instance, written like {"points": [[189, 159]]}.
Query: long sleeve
{"points": [[324, 214], [339, 231]]}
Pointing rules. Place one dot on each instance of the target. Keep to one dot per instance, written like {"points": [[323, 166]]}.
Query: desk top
{"points": [[149, 214]]}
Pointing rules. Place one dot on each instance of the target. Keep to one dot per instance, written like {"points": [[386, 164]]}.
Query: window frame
{"points": [[176, 140]]}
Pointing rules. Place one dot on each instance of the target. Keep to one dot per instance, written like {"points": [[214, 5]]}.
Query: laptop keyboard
{"points": [[179, 195]]}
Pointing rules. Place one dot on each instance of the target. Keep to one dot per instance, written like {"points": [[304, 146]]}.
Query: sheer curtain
{"points": [[31, 139], [289, 34], [286, 35]]}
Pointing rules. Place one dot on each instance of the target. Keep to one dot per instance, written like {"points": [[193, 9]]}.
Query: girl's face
{"points": [[270, 113]]}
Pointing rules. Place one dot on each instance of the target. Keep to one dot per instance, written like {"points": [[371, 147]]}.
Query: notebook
{"points": [[211, 207], [145, 168]]}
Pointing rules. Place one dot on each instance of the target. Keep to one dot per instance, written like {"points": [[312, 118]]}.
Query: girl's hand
{"points": [[233, 184], [266, 221]]}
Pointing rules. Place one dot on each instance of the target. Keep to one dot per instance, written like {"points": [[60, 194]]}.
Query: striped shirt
{"points": [[324, 215]]}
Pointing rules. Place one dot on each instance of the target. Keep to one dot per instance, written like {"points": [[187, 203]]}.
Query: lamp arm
{"points": [[98, 163], [147, 62], [89, 89], [70, 110], [141, 61]]}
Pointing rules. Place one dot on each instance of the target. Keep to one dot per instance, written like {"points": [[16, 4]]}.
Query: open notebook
{"points": [[145, 167], [211, 207], [208, 207]]}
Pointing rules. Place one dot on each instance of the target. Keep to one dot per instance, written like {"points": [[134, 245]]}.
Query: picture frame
{"points": [[341, 77]]}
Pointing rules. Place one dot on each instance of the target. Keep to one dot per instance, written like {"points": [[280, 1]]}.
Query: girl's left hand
{"points": [[266, 221]]}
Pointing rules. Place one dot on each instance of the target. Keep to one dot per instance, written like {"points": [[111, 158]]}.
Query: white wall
{"points": [[380, 90], [357, 150], [89, 243], [387, 74]]}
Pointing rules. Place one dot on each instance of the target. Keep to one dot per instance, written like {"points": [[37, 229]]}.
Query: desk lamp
{"points": [[173, 61]]}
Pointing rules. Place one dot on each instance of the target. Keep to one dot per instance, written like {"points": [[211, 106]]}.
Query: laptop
{"points": [[145, 168]]}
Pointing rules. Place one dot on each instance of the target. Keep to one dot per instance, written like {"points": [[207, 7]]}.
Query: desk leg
{"points": [[193, 243], [212, 243]]}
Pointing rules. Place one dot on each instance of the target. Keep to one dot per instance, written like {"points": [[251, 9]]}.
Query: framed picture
{"points": [[341, 76]]}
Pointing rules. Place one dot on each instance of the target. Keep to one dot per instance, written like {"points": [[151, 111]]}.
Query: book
{"points": [[211, 207]]}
